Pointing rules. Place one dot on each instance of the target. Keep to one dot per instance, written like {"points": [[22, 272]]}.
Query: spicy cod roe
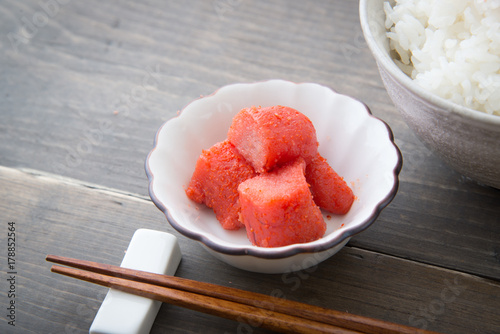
{"points": [[277, 208], [269, 177]]}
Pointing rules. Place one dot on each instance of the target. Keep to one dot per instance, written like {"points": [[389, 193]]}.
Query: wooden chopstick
{"points": [[253, 308], [223, 308]]}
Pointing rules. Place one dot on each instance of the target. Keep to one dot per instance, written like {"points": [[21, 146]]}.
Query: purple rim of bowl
{"points": [[286, 251]]}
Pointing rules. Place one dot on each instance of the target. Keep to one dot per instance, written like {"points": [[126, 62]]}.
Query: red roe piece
{"points": [[277, 208], [329, 190], [218, 172], [271, 136]]}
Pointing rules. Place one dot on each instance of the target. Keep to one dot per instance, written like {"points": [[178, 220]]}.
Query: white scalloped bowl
{"points": [[357, 145]]}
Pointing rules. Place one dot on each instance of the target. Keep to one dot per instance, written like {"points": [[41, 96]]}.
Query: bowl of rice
{"points": [[440, 64]]}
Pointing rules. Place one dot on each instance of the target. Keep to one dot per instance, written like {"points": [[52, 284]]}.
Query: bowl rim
{"points": [[290, 250], [383, 59]]}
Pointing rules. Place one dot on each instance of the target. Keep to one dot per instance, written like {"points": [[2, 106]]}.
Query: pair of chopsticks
{"points": [[253, 308]]}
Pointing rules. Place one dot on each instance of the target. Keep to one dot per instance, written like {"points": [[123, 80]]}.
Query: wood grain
{"points": [[147, 60], [85, 86], [355, 280]]}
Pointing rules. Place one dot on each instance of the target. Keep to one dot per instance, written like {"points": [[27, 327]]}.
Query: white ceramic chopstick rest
{"points": [[124, 313]]}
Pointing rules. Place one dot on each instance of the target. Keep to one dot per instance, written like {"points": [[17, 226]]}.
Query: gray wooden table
{"points": [[84, 85]]}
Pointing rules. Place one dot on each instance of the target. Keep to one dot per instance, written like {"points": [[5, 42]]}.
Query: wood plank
{"points": [[454, 226], [92, 59], [147, 60], [71, 218]]}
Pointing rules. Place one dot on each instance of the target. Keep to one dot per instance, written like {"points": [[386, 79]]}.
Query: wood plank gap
{"points": [[430, 265], [54, 178]]}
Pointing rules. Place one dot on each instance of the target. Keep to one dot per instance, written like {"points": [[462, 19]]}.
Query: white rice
{"points": [[450, 47]]}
